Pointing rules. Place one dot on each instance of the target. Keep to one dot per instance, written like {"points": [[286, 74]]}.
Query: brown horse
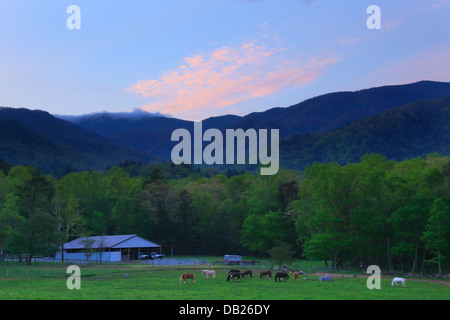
{"points": [[295, 276], [248, 272], [185, 276], [265, 273]]}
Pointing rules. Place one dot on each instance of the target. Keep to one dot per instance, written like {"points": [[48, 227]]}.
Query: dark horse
{"points": [[234, 274], [248, 272], [281, 275], [265, 273], [233, 270]]}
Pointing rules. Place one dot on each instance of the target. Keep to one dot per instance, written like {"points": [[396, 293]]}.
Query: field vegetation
{"points": [[139, 281]]}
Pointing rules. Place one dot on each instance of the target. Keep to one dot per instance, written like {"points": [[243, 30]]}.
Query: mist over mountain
{"points": [[137, 113], [34, 137]]}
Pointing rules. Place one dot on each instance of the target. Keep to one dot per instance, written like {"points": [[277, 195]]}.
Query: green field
{"points": [[146, 282]]}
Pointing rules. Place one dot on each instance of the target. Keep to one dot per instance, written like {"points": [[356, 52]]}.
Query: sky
{"points": [[193, 59]]}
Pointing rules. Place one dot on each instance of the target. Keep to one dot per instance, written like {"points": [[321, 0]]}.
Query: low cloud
{"points": [[224, 77]]}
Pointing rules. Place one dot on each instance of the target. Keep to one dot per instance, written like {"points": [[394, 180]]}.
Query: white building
{"points": [[108, 248]]}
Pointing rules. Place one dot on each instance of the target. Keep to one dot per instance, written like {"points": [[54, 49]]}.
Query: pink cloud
{"points": [[349, 40], [224, 77]]}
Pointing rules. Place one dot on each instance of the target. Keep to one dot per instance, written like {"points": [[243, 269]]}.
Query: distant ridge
{"points": [[36, 137], [410, 131], [398, 121], [330, 111], [320, 114]]}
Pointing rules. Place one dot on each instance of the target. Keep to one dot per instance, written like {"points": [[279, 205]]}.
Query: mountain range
{"points": [[398, 121], [410, 131], [34, 137]]}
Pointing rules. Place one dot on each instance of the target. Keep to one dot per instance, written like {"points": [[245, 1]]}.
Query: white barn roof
{"points": [[121, 241]]}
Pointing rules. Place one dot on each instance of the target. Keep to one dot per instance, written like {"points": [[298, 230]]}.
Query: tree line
{"points": [[393, 214]]}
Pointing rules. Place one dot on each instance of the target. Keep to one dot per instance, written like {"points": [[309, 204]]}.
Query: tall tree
{"points": [[437, 233], [261, 232], [10, 219], [122, 191], [67, 213], [36, 234]]}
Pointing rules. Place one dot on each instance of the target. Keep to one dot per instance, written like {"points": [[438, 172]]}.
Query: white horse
{"points": [[209, 272], [397, 280]]}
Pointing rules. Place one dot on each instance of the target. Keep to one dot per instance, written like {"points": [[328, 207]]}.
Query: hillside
{"points": [[330, 111], [321, 114], [51, 144], [405, 132], [399, 122]]}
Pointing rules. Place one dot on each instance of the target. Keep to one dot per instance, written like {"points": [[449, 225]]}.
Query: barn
{"points": [[108, 248]]}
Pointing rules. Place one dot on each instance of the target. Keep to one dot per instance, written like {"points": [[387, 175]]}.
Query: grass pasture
{"points": [[145, 282]]}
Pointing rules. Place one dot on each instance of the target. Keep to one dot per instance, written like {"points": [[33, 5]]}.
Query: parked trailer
{"points": [[232, 259], [237, 260]]}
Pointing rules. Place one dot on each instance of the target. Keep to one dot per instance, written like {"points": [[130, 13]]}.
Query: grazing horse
{"points": [[265, 273], [248, 272], [185, 276], [281, 275], [234, 274], [209, 272], [234, 271], [397, 280]]}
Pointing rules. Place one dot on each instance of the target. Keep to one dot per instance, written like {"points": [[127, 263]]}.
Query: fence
{"points": [[175, 262], [14, 272]]}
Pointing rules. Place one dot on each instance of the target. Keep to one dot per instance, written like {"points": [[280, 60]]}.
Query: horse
{"points": [[265, 273], [281, 275], [248, 272], [186, 276], [325, 278], [209, 272], [295, 276], [234, 274], [397, 280]]}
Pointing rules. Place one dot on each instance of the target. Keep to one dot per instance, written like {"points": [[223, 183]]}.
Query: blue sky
{"points": [[193, 59]]}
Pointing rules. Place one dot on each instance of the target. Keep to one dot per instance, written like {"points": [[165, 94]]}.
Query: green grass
{"points": [[48, 282]]}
